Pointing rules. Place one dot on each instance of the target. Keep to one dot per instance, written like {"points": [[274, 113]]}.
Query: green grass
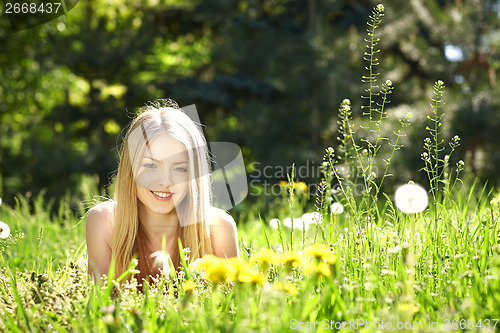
{"points": [[44, 285]]}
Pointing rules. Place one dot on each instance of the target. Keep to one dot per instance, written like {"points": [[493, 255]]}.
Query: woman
{"points": [[162, 192]]}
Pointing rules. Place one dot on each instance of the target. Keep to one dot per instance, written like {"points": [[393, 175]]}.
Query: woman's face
{"points": [[163, 175]]}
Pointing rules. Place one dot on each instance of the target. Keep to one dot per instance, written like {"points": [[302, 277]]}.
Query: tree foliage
{"points": [[267, 75]]}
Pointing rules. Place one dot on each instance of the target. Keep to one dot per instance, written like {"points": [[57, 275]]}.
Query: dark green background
{"points": [[266, 75]]}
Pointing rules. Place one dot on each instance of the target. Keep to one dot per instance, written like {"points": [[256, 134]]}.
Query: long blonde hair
{"points": [[161, 117]]}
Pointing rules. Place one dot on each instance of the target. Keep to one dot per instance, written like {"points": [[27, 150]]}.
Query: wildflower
{"points": [[202, 264], [278, 285], [283, 183], [336, 208], [108, 308], [290, 288], [221, 271], [394, 250], [298, 223], [321, 269], [381, 8], [411, 198], [274, 223], [248, 274], [188, 286], [162, 260], [4, 230], [289, 259], [265, 256], [311, 218], [301, 186], [320, 252], [495, 201], [408, 308], [217, 269]]}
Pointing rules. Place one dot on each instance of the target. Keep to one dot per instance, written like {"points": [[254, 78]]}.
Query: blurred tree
{"points": [[268, 75]]}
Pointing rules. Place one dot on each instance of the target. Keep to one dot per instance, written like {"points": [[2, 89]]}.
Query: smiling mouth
{"points": [[162, 195]]}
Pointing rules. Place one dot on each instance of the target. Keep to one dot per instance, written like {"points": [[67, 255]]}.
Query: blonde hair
{"points": [[161, 117]]}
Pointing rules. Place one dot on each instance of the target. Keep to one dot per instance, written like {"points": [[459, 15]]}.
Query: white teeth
{"points": [[162, 194]]}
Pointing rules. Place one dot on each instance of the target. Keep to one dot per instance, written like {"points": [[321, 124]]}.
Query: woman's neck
{"points": [[156, 226]]}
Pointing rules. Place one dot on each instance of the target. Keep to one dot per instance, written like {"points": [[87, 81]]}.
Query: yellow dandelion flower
{"points": [[265, 256], [188, 286], [283, 183], [223, 271], [278, 285], [406, 307], [248, 274], [290, 288], [301, 186], [289, 259], [321, 252], [321, 269], [202, 264]]}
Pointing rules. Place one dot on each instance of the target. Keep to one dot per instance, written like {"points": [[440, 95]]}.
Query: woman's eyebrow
{"points": [[175, 163]]}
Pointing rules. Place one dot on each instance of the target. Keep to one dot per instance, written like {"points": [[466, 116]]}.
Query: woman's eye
{"points": [[149, 166], [180, 169]]}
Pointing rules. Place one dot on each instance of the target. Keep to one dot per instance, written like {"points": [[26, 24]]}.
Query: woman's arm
{"points": [[224, 234], [99, 231]]}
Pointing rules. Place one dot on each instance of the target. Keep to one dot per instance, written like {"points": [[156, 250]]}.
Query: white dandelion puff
{"points": [[298, 223], [162, 260], [311, 218], [411, 198], [336, 208], [274, 223], [4, 230]]}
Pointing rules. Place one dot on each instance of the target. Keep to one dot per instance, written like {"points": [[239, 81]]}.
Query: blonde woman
{"points": [[162, 193]]}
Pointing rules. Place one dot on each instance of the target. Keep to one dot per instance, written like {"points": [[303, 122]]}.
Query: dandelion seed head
{"points": [[337, 208], [411, 198], [298, 223], [311, 218], [274, 223], [162, 260], [4, 230]]}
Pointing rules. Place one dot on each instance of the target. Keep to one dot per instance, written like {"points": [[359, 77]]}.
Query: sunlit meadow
{"points": [[424, 257]]}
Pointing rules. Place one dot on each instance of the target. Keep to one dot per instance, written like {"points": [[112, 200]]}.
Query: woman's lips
{"points": [[162, 196]]}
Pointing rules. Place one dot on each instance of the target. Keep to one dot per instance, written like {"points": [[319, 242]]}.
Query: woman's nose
{"points": [[166, 179]]}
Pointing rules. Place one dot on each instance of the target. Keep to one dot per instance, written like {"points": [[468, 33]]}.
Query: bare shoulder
{"points": [[101, 219], [99, 237], [224, 234], [220, 218]]}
